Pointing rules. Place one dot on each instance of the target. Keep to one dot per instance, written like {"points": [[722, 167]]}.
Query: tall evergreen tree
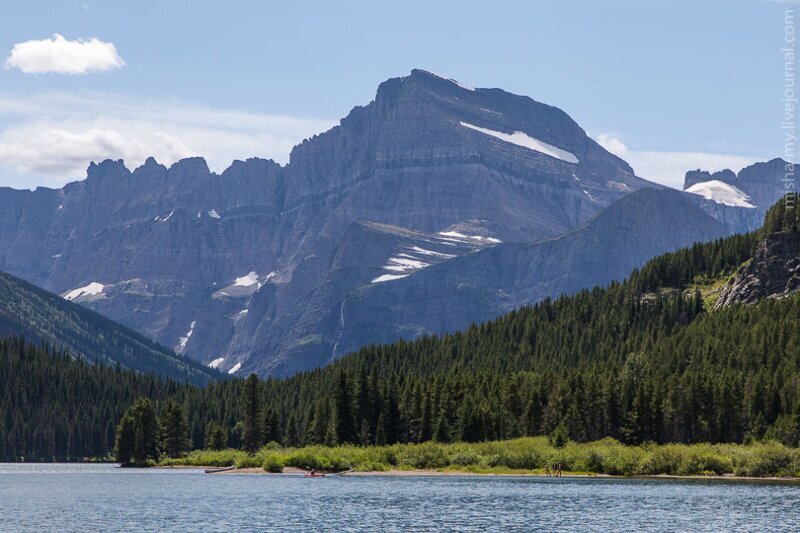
{"points": [[216, 437], [345, 424], [175, 429], [252, 429]]}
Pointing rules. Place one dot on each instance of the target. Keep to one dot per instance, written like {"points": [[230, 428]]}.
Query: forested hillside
{"points": [[54, 407], [45, 318], [644, 360], [649, 359]]}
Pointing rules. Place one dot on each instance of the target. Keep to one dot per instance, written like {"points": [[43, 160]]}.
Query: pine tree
{"points": [[291, 437], [442, 431], [364, 435], [216, 438], [125, 439], [380, 431], [146, 436], [345, 426], [271, 426], [252, 430], [175, 429], [137, 434]]}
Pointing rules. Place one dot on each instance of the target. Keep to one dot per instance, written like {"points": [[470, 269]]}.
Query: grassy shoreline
{"points": [[524, 456]]}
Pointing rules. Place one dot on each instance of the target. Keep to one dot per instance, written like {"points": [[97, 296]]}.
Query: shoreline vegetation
{"points": [[519, 457]]}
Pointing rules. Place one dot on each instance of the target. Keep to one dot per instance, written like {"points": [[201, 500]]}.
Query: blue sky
{"points": [[670, 85]]}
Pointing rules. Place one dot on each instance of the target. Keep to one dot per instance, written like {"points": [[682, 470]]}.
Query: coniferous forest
{"points": [[645, 360]]}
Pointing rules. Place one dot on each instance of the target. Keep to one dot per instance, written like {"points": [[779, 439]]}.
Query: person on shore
{"points": [[559, 469], [547, 469]]}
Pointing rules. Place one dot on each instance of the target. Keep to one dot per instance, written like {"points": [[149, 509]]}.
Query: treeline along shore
{"points": [[644, 372]]}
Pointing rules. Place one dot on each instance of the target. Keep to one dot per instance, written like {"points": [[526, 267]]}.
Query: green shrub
{"points": [[423, 456], [273, 463], [703, 459], [606, 456], [664, 459], [465, 458]]}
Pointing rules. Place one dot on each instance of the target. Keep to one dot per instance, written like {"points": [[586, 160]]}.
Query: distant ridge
{"points": [[45, 318]]}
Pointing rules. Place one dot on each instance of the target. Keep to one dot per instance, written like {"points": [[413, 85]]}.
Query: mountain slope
{"points": [[57, 408], [414, 215], [483, 285], [45, 318], [644, 360], [247, 260]]}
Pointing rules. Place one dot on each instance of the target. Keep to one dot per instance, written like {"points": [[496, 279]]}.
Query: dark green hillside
{"points": [[54, 407], [43, 317], [644, 360]]}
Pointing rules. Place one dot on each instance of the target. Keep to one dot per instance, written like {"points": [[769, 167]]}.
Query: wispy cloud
{"points": [[62, 56], [669, 168], [51, 138]]}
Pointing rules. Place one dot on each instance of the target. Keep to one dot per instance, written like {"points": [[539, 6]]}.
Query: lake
{"points": [[79, 497]]}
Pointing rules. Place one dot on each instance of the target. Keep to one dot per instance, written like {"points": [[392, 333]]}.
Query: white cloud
{"points": [[61, 56], [669, 168], [51, 138]]}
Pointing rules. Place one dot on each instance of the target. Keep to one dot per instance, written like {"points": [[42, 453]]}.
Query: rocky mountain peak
{"points": [[107, 169], [190, 166], [150, 166], [700, 176]]}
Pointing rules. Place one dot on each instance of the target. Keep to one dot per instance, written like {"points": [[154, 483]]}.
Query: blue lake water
{"points": [[41, 497]]}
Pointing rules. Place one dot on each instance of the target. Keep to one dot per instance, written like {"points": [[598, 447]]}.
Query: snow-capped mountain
{"points": [[276, 269], [741, 200]]}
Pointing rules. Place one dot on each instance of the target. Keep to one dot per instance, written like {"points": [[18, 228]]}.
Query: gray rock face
{"points": [[774, 272], [762, 183], [485, 284], [388, 225]]}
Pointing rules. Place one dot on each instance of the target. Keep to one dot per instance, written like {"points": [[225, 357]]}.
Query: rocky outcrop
{"points": [[773, 272]]}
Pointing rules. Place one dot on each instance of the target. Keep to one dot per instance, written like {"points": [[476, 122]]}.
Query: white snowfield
{"points": [[409, 262], [235, 368], [402, 264], [185, 339], [526, 141], [216, 362], [213, 214], [247, 281], [722, 193], [454, 235], [424, 251], [388, 277], [92, 289]]}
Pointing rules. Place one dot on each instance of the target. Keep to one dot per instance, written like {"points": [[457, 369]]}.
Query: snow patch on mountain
{"points": [[92, 289], [721, 193], [402, 264], [460, 237], [235, 368], [182, 341], [526, 141], [388, 277], [216, 362], [247, 280], [432, 253], [213, 214]]}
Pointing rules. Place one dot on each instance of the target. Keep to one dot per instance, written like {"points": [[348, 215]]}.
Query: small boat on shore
{"points": [[313, 474], [215, 470]]}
